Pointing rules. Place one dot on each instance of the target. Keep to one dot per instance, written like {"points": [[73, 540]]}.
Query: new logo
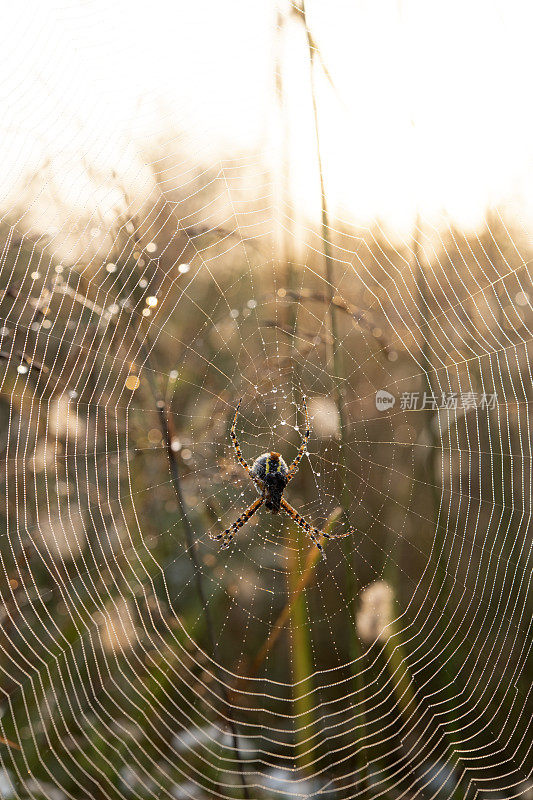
{"points": [[384, 400]]}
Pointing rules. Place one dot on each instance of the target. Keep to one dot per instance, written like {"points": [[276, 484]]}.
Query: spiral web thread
{"points": [[397, 668]]}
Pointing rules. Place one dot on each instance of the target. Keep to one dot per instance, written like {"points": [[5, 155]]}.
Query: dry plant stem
{"points": [[165, 424], [286, 612], [443, 584], [337, 375], [348, 309], [313, 557], [9, 743]]}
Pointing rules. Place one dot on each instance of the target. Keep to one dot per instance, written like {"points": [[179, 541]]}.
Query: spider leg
{"points": [[228, 535], [237, 448], [313, 533], [293, 468], [235, 441]]}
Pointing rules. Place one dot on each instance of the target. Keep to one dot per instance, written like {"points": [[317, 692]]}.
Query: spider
{"points": [[270, 475]]}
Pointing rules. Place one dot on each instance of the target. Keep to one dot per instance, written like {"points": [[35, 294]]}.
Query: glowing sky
{"points": [[431, 109]]}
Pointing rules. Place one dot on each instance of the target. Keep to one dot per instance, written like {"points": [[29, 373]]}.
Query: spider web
{"points": [[139, 659]]}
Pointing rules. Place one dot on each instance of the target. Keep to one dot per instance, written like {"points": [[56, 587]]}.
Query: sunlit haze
{"points": [[427, 110]]}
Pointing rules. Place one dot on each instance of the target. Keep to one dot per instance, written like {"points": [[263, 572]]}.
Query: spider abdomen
{"points": [[269, 464], [271, 471]]}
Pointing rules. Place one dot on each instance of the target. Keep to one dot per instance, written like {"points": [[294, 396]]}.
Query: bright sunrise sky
{"points": [[431, 110]]}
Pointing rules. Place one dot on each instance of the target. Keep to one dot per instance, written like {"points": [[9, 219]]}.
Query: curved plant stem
{"points": [[165, 423]]}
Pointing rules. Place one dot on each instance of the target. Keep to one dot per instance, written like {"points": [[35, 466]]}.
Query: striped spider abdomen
{"points": [[270, 470]]}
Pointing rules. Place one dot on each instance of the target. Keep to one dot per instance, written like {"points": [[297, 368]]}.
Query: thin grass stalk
{"points": [[393, 645], [284, 619], [400, 675], [165, 425], [502, 489], [302, 656], [287, 234], [301, 650], [302, 661], [295, 610], [337, 369]]}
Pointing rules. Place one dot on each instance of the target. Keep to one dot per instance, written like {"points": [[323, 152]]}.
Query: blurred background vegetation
{"points": [[117, 607], [139, 660]]}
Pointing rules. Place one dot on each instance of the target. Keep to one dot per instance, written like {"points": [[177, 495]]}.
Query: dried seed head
{"points": [[376, 612], [325, 416]]}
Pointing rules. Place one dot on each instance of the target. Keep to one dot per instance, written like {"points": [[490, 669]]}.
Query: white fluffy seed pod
{"points": [[375, 612], [325, 417]]}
